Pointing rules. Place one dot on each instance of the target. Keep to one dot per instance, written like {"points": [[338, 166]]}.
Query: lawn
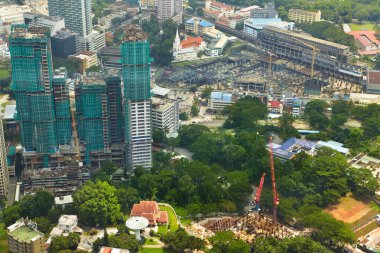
{"points": [[3, 239], [150, 242], [152, 250], [163, 229], [4, 73], [365, 230], [173, 223], [364, 26]]}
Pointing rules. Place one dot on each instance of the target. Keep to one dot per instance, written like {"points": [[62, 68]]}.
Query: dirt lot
{"points": [[350, 209]]}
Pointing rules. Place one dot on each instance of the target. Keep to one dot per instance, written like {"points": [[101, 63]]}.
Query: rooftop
{"points": [[62, 200], [373, 76], [221, 5], [206, 23], [113, 250], [191, 42], [366, 38], [221, 96], [9, 113], [249, 8], [50, 18], [157, 90], [67, 219], [303, 11], [25, 234]]}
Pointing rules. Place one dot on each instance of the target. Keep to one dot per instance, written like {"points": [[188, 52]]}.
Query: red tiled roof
{"points": [[366, 38], [374, 77], [191, 42], [163, 217], [149, 210], [274, 103], [221, 5], [211, 12]]}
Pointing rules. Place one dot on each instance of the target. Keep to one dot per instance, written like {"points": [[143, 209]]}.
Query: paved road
{"points": [[11, 191]]}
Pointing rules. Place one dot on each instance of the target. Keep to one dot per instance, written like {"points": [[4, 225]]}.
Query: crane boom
{"points": [[276, 200], [258, 193]]}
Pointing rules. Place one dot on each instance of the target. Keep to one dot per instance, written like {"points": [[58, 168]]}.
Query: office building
{"points": [[269, 11], [136, 60], [219, 100], [76, 13], [32, 85], [302, 16], [373, 82], [147, 4], [63, 43], [23, 237], [199, 26], [330, 58], [170, 9], [165, 111], [95, 41], [115, 109], [253, 26], [37, 20], [246, 12], [4, 174]]}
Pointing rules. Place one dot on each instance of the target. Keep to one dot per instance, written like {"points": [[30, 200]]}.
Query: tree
{"points": [[11, 214], [316, 105], [97, 203], [159, 136], [59, 243], [225, 242], [194, 110], [286, 125], [206, 92], [371, 126], [183, 116], [124, 241], [354, 137], [44, 225], [362, 181], [179, 241], [37, 205], [127, 197], [188, 134], [234, 155]]}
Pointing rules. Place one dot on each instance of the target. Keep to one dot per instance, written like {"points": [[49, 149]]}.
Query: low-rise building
{"points": [[360, 99], [23, 237], [165, 114], [106, 21], [113, 250], [302, 16], [37, 20], [68, 223], [12, 14], [367, 42], [231, 21], [63, 201], [151, 211], [217, 47], [373, 82], [188, 49], [246, 12], [198, 26], [275, 107], [215, 6], [219, 100], [253, 26], [269, 11], [4, 50], [87, 59]]}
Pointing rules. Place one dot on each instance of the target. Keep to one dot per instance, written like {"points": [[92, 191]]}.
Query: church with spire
{"points": [[188, 49]]}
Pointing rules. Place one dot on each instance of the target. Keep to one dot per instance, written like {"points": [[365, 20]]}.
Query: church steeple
{"points": [[177, 42]]}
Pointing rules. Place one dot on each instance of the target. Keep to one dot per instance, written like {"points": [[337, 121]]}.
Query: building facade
{"points": [[64, 43], [302, 16], [253, 26], [136, 60], [4, 174], [269, 11], [170, 9], [23, 237], [12, 14], [219, 100]]}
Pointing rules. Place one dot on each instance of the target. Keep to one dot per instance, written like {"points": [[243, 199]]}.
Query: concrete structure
{"points": [[188, 49], [4, 174], [136, 60], [219, 7], [106, 21], [23, 237], [113, 250], [9, 116], [4, 50], [269, 11], [147, 4], [275, 107], [217, 47], [170, 9], [12, 14], [87, 59], [137, 224], [330, 58], [95, 41], [36, 20], [253, 26], [151, 211], [360, 99], [367, 42], [64, 43], [302, 16], [63, 200], [165, 111], [199, 26], [219, 100], [68, 223], [373, 82], [231, 21], [246, 12]]}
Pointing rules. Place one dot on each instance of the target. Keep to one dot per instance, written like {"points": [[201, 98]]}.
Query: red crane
{"points": [[276, 200], [258, 192]]}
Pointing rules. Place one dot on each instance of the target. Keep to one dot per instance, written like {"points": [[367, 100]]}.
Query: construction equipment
{"points": [[276, 200], [313, 56], [75, 135], [270, 62], [258, 193]]}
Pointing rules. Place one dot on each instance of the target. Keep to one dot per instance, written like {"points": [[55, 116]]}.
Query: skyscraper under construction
{"points": [[135, 54], [33, 83]]}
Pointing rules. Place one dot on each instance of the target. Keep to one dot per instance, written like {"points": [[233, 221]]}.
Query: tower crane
{"points": [[276, 199], [313, 56], [270, 61], [258, 193]]}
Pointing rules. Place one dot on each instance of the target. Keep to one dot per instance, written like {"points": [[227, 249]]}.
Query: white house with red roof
{"points": [[187, 49], [151, 211], [215, 6], [275, 107], [367, 42]]}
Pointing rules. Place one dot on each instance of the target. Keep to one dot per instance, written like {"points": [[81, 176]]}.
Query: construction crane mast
{"points": [[276, 200], [313, 56], [258, 193]]}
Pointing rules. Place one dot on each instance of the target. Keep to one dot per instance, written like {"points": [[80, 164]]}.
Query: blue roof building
{"points": [[253, 26], [218, 100]]}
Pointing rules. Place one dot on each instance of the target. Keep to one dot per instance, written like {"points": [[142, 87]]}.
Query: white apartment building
{"points": [[170, 9], [4, 50], [36, 20], [4, 175], [67, 223], [165, 114], [139, 149], [92, 42]]}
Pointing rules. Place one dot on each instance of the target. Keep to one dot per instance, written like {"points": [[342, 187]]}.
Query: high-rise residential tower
{"points": [[4, 175], [136, 60], [32, 84], [170, 9]]}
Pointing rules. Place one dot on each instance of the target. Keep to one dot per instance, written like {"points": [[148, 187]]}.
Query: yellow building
{"points": [[23, 237], [302, 16], [87, 59]]}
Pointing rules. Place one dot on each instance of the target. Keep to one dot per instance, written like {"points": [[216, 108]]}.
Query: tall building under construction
{"points": [[136, 60], [40, 98], [4, 174]]}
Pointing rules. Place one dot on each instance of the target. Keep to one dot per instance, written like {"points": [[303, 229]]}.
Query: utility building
{"points": [[136, 60]]}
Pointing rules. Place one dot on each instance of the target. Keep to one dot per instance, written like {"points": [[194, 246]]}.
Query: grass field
{"points": [[151, 250], [359, 27], [150, 242], [3, 239], [365, 230], [4, 73], [172, 218], [351, 210]]}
